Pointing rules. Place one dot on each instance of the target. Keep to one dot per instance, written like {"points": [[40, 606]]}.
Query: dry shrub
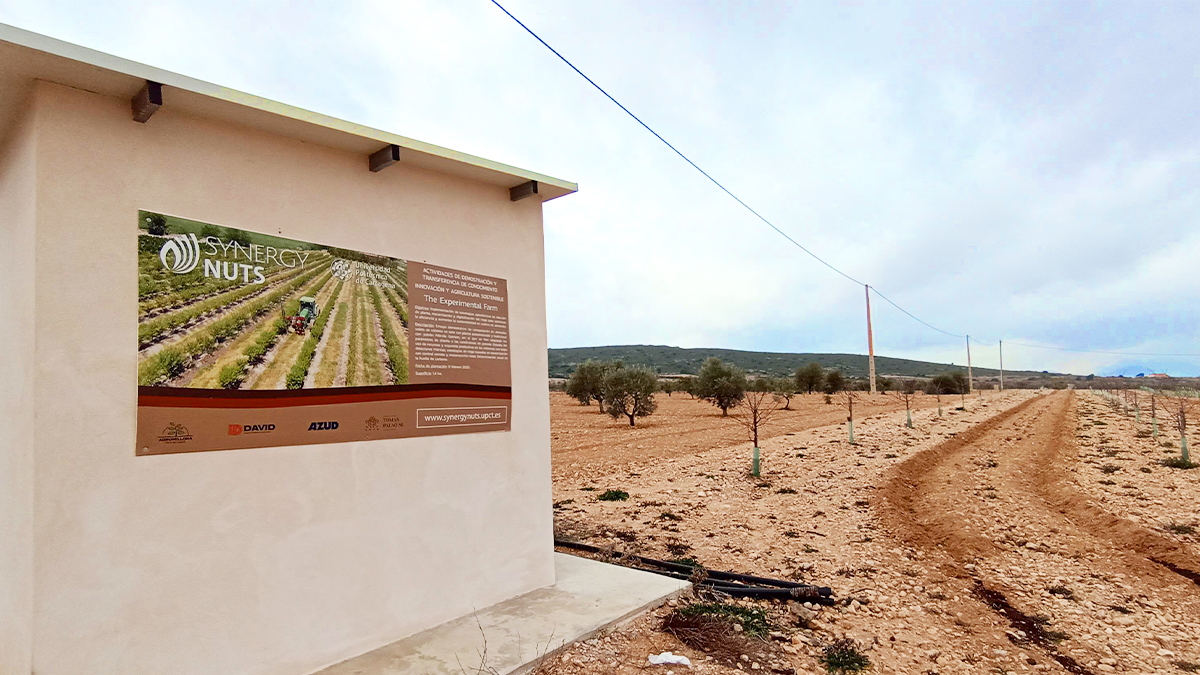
{"points": [[709, 634]]}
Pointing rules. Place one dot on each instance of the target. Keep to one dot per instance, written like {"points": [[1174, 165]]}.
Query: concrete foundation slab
{"points": [[512, 636]]}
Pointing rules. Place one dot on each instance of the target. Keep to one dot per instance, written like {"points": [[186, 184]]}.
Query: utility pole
{"points": [[1002, 365], [970, 378], [870, 341]]}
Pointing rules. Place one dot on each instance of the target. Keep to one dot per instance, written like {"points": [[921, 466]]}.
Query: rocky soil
{"points": [[978, 542]]}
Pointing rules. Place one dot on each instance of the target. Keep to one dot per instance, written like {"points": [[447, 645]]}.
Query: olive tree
{"points": [[667, 387], [759, 384], [629, 392], [810, 378], [785, 388], [834, 381], [687, 384], [885, 385], [586, 384], [950, 383], [721, 384]]}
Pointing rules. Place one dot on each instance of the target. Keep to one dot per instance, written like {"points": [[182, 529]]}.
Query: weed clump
{"points": [[843, 656], [677, 547], [1178, 528], [613, 496], [785, 491], [1110, 468], [849, 572], [1179, 463], [753, 620], [713, 635], [1062, 592]]}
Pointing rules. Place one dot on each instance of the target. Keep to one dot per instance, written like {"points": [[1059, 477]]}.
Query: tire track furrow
{"points": [[998, 506]]}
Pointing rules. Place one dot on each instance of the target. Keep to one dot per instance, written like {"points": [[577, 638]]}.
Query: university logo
{"points": [[174, 433], [239, 429], [180, 254], [340, 268], [322, 426]]}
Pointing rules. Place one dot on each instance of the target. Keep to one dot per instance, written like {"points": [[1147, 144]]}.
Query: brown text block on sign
{"points": [[458, 329]]}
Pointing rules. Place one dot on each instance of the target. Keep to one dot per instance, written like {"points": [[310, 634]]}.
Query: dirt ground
{"points": [[983, 541], [587, 443]]}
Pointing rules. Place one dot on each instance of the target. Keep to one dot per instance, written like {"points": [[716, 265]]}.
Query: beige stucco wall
{"points": [[278, 560], [18, 152]]}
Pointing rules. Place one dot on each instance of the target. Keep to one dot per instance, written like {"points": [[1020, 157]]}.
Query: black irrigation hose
{"points": [[730, 583], [687, 569]]}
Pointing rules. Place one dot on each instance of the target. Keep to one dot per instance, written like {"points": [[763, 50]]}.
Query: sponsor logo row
{"points": [[178, 433]]}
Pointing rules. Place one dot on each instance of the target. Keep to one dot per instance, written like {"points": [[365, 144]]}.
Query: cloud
{"points": [[1024, 171]]}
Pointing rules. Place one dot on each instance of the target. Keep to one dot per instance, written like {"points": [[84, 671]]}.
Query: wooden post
{"points": [[1002, 365], [850, 419], [383, 158], [970, 377], [146, 102], [523, 190], [870, 342]]}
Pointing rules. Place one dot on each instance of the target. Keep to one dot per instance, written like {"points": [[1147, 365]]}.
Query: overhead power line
{"points": [[914, 318], [763, 218], [676, 151]]}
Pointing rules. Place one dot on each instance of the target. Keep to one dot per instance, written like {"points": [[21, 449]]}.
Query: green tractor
{"points": [[305, 315]]}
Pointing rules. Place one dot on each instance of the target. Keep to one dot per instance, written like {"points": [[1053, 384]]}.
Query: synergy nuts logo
{"points": [[322, 426], [175, 433], [239, 429], [181, 253]]}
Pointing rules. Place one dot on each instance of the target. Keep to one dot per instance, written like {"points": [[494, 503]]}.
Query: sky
{"points": [[1026, 172]]}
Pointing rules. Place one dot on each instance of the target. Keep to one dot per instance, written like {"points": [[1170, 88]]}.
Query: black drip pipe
{"points": [[730, 583]]}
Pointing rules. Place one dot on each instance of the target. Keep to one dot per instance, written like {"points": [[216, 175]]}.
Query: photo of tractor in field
{"points": [[304, 316], [213, 332]]}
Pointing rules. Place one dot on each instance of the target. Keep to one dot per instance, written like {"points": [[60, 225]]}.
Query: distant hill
{"points": [[671, 360]]}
